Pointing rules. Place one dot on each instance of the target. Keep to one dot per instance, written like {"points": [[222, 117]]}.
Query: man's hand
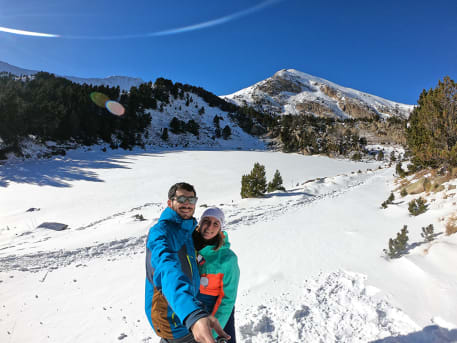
{"points": [[202, 330]]}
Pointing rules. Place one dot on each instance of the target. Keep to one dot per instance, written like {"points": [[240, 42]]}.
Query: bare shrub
{"points": [[451, 225]]}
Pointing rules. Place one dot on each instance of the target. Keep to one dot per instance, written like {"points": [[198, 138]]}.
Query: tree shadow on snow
{"points": [[429, 334], [77, 165], [418, 244], [60, 171]]}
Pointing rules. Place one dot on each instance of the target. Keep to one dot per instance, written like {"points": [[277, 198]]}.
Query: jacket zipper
{"points": [[190, 265]]}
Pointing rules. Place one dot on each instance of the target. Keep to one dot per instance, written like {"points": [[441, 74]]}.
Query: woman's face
{"points": [[209, 228]]}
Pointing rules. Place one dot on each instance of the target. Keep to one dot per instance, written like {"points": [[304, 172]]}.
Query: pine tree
{"points": [[392, 156], [192, 127], [276, 183], [216, 120], [380, 156], [246, 186], [254, 185], [399, 170], [357, 156], [417, 206], [226, 132], [164, 135], [389, 200], [398, 245], [427, 233], [176, 125], [432, 129]]}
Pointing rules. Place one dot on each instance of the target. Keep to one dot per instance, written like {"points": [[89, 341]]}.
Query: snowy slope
{"points": [[290, 91], [312, 267], [206, 138], [160, 119], [124, 82], [8, 68]]}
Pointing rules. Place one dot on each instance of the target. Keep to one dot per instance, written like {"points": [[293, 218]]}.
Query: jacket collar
{"points": [[170, 215]]}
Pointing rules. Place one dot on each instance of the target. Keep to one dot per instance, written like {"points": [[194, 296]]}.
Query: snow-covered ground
{"points": [[312, 266]]}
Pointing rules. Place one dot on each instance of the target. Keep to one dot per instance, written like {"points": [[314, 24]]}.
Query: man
{"points": [[172, 279]]}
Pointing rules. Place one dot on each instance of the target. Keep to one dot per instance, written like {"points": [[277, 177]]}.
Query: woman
{"points": [[219, 271]]}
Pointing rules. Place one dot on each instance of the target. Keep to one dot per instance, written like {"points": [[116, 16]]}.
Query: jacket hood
{"points": [[170, 215], [209, 249]]}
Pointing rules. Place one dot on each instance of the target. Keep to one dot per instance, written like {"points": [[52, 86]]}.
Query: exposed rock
{"points": [[416, 187], [330, 92], [275, 85], [356, 109], [427, 184], [32, 209], [53, 226], [380, 132], [314, 108]]}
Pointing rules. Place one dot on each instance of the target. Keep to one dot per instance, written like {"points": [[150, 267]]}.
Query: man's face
{"points": [[186, 210]]}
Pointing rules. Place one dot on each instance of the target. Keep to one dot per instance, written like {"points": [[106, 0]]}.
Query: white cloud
{"points": [[174, 31]]}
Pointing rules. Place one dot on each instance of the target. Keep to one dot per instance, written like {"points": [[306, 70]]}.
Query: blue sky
{"points": [[392, 49]]}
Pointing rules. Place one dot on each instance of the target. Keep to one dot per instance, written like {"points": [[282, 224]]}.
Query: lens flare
{"points": [[115, 108], [104, 101], [99, 99]]}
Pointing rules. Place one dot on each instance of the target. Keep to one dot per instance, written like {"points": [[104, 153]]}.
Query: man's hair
{"points": [[180, 185]]}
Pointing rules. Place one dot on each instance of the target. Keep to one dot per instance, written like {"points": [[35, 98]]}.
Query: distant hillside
{"points": [[43, 108], [124, 82], [290, 91], [297, 112]]}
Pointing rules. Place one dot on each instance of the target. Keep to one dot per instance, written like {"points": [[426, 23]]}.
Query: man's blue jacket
{"points": [[172, 278]]}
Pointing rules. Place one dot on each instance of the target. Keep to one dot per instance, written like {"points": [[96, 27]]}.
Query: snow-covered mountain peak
{"points": [[290, 91], [8, 68], [124, 82]]}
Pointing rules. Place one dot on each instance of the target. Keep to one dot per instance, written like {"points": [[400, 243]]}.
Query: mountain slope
{"points": [[290, 91], [203, 114], [162, 114], [8, 68], [124, 82]]}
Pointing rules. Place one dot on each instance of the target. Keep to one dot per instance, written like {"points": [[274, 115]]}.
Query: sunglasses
{"points": [[182, 199]]}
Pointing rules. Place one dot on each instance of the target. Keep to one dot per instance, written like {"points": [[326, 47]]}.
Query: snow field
{"points": [[333, 307], [312, 267]]}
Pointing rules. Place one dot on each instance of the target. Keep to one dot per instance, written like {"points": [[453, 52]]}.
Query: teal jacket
{"points": [[219, 277], [172, 279]]}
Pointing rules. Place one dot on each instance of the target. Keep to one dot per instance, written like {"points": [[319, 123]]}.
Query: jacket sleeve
{"points": [[230, 282], [168, 275]]}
